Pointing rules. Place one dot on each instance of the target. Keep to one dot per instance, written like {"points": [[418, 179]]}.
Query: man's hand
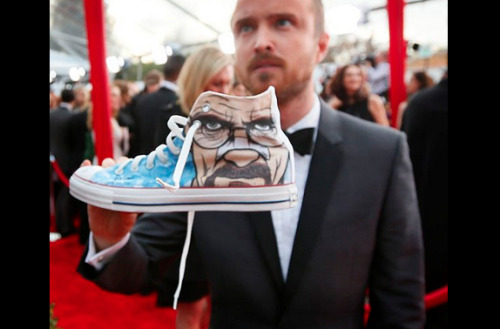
{"points": [[108, 226]]}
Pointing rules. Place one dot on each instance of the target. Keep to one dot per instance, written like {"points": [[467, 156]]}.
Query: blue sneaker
{"points": [[230, 155]]}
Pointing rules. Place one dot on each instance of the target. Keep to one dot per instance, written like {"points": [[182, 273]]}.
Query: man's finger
{"points": [[85, 163], [108, 162], [121, 159]]}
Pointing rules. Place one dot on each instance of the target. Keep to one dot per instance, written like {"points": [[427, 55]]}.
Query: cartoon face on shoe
{"points": [[238, 143]]}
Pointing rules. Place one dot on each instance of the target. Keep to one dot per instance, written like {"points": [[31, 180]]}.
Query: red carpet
{"points": [[80, 304]]}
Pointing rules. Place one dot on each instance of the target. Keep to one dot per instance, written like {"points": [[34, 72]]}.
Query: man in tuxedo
{"points": [[61, 149], [355, 233], [150, 110]]}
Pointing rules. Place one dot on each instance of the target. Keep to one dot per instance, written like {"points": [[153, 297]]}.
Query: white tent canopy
{"points": [[135, 28]]}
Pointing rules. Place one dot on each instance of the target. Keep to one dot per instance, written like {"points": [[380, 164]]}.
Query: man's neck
{"points": [[296, 108]]}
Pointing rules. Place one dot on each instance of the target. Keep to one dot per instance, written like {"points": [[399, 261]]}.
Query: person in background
{"points": [[60, 148], [425, 123], [152, 81], [54, 100], [82, 98], [353, 236], [351, 94], [146, 111], [119, 134], [127, 91], [419, 80], [378, 74], [79, 135], [208, 68]]}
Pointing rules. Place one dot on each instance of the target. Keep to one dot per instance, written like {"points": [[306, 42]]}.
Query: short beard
{"points": [[284, 95]]}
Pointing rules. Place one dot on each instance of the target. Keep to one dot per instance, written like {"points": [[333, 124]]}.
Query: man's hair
{"points": [[67, 95], [319, 16], [424, 80], [336, 86], [153, 77], [173, 66]]}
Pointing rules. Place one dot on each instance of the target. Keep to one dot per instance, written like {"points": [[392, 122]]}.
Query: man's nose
{"points": [[263, 40]]}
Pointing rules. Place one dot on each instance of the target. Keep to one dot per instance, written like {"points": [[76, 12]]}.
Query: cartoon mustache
{"points": [[263, 59], [232, 171]]}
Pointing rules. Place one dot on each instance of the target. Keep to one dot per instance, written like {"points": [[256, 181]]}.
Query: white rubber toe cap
{"points": [[87, 172]]}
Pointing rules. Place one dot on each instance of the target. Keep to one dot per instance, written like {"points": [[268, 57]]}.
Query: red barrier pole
{"points": [[432, 299], [58, 170], [397, 56], [101, 102], [436, 297]]}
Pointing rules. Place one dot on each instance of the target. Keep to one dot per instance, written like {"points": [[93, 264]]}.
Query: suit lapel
{"points": [[264, 230], [325, 162]]}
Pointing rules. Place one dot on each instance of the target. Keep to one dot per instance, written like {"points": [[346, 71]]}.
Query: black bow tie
{"points": [[302, 140]]}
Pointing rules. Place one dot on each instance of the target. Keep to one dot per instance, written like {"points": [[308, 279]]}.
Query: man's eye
{"points": [[284, 22], [245, 28]]}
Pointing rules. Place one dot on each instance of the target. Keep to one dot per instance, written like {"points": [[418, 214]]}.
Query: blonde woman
{"points": [[208, 68]]}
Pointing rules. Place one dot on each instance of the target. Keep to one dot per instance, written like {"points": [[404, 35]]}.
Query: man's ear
{"points": [[323, 41]]}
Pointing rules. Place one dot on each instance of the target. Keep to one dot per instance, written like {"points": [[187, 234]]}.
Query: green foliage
{"points": [[53, 320]]}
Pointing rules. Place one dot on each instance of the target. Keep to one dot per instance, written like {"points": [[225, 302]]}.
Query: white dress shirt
{"points": [[169, 85], [285, 221]]}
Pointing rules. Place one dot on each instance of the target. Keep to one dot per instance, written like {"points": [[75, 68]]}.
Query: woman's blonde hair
{"points": [[197, 71]]}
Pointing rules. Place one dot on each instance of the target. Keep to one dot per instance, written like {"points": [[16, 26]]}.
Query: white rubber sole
{"points": [[159, 199]]}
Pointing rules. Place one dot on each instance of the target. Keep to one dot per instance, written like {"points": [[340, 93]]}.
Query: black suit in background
{"points": [[146, 114], [359, 229], [425, 122], [60, 148], [77, 133]]}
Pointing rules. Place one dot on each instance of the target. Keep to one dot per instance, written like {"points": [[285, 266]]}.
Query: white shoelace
{"points": [[175, 131], [184, 254]]}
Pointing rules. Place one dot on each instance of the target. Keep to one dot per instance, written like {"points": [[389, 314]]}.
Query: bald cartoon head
{"points": [[238, 142]]}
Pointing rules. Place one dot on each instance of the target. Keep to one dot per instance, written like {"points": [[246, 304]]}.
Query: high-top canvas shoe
{"points": [[230, 155]]}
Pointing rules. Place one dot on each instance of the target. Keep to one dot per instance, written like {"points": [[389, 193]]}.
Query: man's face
{"points": [[276, 44], [237, 143]]}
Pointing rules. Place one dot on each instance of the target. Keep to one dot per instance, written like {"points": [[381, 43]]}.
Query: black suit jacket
{"points": [[76, 138], [359, 229], [425, 122], [59, 144], [146, 117]]}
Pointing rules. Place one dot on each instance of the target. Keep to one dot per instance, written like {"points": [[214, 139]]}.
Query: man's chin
{"points": [[238, 182], [261, 83]]}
